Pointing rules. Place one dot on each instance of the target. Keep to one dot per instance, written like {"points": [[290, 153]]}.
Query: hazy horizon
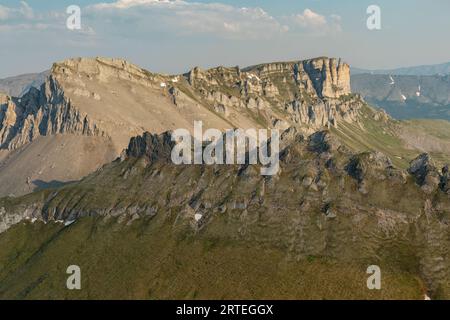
{"points": [[241, 66]]}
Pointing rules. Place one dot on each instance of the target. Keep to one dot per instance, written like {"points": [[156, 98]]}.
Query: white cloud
{"points": [[310, 19], [184, 18], [25, 10], [125, 4], [18, 18], [316, 22], [4, 12], [23, 18]]}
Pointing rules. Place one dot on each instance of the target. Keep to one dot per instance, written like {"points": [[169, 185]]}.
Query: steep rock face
{"points": [[102, 69], [8, 117], [322, 77], [313, 92], [41, 113], [331, 77], [151, 146]]}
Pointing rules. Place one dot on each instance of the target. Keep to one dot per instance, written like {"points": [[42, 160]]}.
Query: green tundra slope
{"points": [[402, 141]]}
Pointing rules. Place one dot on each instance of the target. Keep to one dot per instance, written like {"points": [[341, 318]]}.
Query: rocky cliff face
{"points": [[315, 93], [102, 70], [151, 147], [320, 77], [40, 113]]}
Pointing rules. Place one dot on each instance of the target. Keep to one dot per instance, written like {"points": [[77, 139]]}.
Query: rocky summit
{"points": [[87, 178]]}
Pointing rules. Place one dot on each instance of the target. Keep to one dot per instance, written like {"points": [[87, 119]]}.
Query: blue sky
{"points": [[173, 36]]}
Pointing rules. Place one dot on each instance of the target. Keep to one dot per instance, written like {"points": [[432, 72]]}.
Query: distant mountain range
{"points": [[407, 93], [424, 70], [18, 85], [406, 96]]}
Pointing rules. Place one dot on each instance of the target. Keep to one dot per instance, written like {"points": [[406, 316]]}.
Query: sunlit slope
{"points": [[402, 141]]}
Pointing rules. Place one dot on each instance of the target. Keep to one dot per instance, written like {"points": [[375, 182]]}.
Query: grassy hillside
{"points": [[145, 260], [401, 141]]}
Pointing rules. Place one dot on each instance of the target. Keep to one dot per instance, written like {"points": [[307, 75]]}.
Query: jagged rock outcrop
{"points": [[103, 69], [152, 147], [330, 77], [40, 113], [315, 92], [445, 180], [322, 77], [425, 173], [323, 141], [372, 167]]}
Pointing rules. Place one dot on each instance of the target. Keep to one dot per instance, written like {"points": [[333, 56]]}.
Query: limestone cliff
{"points": [[321, 77], [315, 92]]}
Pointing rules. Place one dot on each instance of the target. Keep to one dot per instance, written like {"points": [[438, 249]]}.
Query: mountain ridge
{"points": [[406, 96], [115, 100], [421, 70]]}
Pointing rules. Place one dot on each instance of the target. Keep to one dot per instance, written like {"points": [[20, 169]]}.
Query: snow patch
{"points": [[68, 222], [253, 76], [392, 80], [418, 92]]}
